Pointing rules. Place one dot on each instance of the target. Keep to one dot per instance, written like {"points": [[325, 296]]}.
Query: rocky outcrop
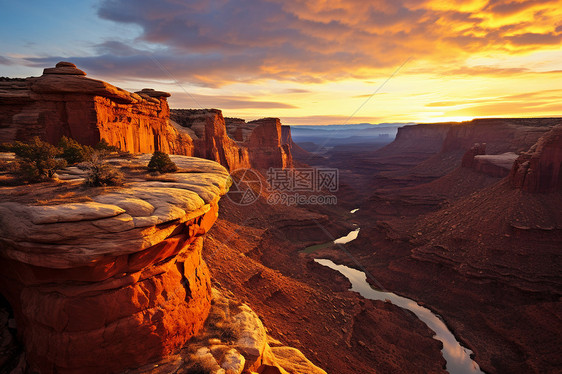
{"points": [[234, 142], [211, 141], [117, 280], [64, 102], [423, 140], [234, 341], [500, 134], [497, 166], [540, 169], [266, 147], [468, 158]]}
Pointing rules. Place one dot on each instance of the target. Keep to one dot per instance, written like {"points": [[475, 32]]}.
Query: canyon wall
{"points": [[114, 282], [210, 138], [539, 169], [500, 134], [63, 102], [234, 142]]}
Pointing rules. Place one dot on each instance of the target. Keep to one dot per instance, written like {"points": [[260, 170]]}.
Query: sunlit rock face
{"points": [[117, 281], [266, 145], [208, 130], [64, 102], [235, 143], [539, 169]]}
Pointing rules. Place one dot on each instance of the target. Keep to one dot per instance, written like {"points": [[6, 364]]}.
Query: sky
{"points": [[309, 62]]}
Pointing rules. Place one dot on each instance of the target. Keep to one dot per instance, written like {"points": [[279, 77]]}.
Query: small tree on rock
{"points": [[101, 173], [160, 162], [36, 160], [74, 152]]}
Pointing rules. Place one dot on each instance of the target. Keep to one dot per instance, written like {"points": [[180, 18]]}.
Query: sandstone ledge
{"points": [[114, 282], [233, 341], [123, 221]]}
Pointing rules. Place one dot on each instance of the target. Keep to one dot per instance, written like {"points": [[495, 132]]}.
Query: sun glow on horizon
{"points": [[315, 62]]}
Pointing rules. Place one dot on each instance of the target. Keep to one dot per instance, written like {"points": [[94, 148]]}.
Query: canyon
{"points": [[64, 102], [468, 223], [463, 218]]}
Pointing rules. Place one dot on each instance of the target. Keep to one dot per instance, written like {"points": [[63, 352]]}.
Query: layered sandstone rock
{"points": [[113, 282], [64, 102], [266, 146], [233, 341], [210, 138], [234, 142], [500, 134], [497, 166], [539, 169]]}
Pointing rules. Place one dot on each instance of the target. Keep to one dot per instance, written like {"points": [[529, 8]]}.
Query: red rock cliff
{"points": [[234, 142], [208, 130], [500, 134], [539, 169], [266, 146], [63, 102], [113, 283]]}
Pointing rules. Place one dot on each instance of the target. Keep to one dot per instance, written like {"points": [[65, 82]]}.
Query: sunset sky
{"points": [[306, 61]]}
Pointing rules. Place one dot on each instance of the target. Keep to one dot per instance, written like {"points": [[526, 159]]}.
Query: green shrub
{"points": [[74, 152], [36, 161], [199, 368], [6, 147], [103, 145], [101, 173], [160, 162]]}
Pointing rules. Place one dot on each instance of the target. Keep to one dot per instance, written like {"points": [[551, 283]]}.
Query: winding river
{"points": [[457, 357]]}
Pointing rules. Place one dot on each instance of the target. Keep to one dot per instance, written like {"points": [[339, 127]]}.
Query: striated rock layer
{"points": [[235, 143], [64, 102], [540, 169], [497, 166], [116, 281]]}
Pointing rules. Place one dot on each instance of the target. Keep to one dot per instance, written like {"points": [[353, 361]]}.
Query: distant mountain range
{"points": [[346, 134]]}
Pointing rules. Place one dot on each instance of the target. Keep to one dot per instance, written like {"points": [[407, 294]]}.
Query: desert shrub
{"points": [[6, 147], [103, 145], [36, 160], [160, 162], [102, 173], [199, 368], [74, 152]]}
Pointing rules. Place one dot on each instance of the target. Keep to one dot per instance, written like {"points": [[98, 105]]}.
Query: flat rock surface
{"points": [[62, 224]]}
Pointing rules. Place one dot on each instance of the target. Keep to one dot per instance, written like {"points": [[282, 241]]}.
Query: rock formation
{"points": [[211, 141], [64, 102], [493, 165], [265, 144], [500, 134], [540, 169], [234, 142], [112, 280], [111, 283]]}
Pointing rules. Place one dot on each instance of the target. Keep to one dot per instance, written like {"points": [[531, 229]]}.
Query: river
{"points": [[457, 357]]}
